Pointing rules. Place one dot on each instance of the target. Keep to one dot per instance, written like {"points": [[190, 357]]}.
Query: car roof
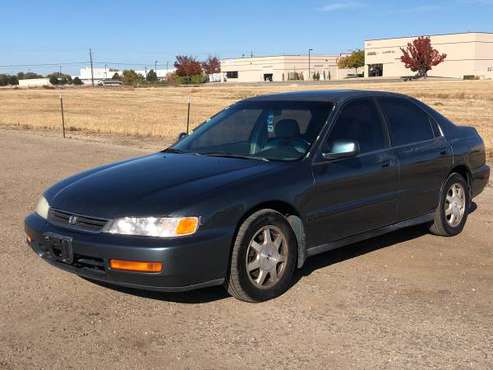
{"points": [[333, 96]]}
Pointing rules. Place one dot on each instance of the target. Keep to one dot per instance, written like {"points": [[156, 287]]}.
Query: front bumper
{"points": [[188, 263]]}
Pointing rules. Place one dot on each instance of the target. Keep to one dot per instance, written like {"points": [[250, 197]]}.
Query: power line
{"points": [[41, 64], [92, 67]]}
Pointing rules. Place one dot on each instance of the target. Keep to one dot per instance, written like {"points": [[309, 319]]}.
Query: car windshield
{"points": [[267, 130]]}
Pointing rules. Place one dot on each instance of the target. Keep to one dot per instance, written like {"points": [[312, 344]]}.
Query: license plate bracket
{"points": [[59, 247]]}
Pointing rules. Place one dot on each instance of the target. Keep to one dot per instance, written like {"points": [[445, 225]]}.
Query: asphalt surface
{"points": [[404, 300]]}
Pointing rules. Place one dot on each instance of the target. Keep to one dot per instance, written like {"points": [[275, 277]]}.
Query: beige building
{"points": [[468, 54], [282, 68]]}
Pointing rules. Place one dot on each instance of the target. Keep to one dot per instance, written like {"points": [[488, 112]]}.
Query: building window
{"points": [[232, 74]]}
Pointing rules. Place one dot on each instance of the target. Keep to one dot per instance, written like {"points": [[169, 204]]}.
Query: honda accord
{"points": [[245, 198]]}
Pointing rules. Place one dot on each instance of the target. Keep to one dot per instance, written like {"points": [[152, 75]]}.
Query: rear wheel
{"points": [[263, 259], [451, 214]]}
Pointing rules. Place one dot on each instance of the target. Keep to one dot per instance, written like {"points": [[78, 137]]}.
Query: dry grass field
{"points": [[162, 111]]}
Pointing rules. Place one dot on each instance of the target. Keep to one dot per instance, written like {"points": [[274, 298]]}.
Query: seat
{"points": [[286, 129]]}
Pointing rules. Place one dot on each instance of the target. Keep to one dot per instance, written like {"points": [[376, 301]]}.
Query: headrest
{"points": [[287, 128]]}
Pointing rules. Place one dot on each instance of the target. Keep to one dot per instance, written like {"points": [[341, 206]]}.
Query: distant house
{"points": [[35, 82]]}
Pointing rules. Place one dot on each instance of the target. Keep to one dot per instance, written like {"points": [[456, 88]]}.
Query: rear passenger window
{"points": [[359, 121], [407, 123]]}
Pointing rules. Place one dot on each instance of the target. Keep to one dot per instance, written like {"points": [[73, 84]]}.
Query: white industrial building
{"points": [[468, 54], [35, 82], [282, 68], [101, 74]]}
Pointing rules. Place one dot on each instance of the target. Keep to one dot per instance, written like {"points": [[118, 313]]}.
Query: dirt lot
{"points": [[405, 300], [161, 112]]}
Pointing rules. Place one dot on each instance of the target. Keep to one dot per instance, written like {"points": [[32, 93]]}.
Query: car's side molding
{"points": [[369, 234]]}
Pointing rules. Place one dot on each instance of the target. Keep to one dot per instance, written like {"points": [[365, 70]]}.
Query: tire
{"points": [[450, 217], [262, 269]]}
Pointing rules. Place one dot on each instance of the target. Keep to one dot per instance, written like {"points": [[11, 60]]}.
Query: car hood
{"points": [[159, 183]]}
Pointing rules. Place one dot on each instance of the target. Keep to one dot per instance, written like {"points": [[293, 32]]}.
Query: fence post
{"points": [[188, 113], [63, 115]]}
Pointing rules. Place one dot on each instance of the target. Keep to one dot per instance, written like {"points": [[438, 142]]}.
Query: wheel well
{"points": [[464, 172], [283, 208], [292, 216]]}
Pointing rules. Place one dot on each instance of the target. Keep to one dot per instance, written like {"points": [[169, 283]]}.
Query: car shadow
{"points": [[360, 248], [198, 296], [365, 246], [314, 263]]}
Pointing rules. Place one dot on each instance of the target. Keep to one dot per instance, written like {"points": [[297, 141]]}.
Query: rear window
{"points": [[407, 123]]}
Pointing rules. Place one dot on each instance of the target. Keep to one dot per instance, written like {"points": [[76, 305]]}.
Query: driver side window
{"points": [[360, 122]]}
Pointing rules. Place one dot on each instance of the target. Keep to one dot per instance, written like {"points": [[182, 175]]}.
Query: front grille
{"points": [[76, 221]]}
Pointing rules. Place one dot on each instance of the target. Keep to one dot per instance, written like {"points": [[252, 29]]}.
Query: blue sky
{"points": [[140, 32]]}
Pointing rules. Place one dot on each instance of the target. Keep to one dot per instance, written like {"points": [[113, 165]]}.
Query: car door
{"points": [[423, 153], [354, 194]]}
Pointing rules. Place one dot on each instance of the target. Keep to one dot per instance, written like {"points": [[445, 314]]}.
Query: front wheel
{"points": [[263, 259], [451, 214]]}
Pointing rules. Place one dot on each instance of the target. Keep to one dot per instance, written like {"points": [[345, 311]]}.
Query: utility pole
{"points": [[92, 67], [155, 66], [309, 63]]}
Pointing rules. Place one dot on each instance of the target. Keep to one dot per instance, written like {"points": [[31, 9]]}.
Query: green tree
{"points": [[13, 80], [28, 75], [116, 77], [353, 61], [130, 77], [53, 80], [59, 79], [151, 76], [77, 81]]}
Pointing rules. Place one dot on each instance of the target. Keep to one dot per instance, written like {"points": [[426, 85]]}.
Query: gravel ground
{"points": [[405, 300]]}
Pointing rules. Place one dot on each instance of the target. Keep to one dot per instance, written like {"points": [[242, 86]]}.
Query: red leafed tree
{"points": [[187, 66], [419, 56], [211, 65]]}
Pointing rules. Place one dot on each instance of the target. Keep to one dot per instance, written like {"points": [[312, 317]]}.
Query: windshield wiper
{"points": [[233, 155]]}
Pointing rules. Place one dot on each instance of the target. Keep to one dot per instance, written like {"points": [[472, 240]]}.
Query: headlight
{"points": [[42, 208], [162, 227]]}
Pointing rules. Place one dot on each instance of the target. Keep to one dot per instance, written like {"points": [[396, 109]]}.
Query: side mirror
{"points": [[342, 149], [182, 135]]}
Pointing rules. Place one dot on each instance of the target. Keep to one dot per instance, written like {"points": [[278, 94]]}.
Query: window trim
{"points": [[318, 159]]}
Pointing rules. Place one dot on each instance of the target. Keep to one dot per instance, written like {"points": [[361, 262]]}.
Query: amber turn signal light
{"points": [[187, 226], [136, 266]]}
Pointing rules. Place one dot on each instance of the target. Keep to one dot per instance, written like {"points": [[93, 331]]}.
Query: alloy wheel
{"points": [[266, 257], [455, 204]]}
